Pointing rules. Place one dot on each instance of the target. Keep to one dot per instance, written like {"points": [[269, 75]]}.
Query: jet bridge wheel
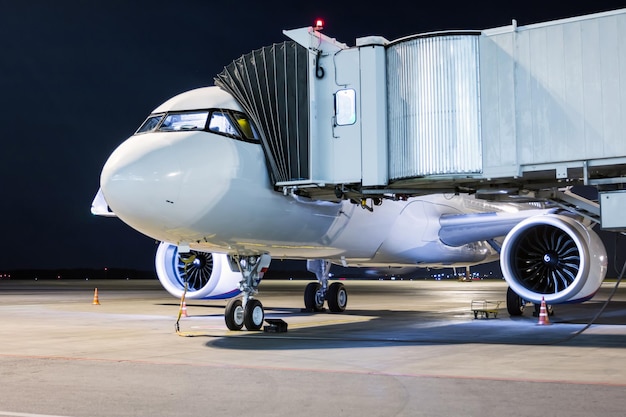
{"points": [[314, 297], [234, 314], [514, 303], [337, 297]]}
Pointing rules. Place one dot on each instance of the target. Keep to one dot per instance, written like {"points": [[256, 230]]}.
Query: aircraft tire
{"points": [[313, 298], [337, 297], [253, 315], [514, 303], [234, 314]]}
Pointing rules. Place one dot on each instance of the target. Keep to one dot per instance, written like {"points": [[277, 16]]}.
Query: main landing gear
{"points": [[247, 310], [515, 305], [316, 293]]}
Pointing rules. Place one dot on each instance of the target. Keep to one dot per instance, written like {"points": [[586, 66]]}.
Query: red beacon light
{"points": [[319, 24]]}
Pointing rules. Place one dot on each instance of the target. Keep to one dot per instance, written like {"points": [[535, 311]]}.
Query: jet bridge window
{"points": [[345, 107]]}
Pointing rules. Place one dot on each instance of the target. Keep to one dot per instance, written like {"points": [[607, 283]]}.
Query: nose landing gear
{"points": [[247, 311]]}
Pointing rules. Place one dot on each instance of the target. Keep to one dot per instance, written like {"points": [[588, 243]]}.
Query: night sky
{"points": [[78, 77]]}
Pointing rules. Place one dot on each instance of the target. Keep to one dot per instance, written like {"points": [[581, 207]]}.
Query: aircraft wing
{"points": [[461, 229]]}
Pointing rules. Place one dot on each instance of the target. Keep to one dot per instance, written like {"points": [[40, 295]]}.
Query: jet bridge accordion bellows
{"points": [[271, 84]]}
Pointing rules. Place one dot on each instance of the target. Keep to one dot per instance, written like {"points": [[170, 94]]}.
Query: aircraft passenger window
{"points": [[220, 122], [150, 124], [185, 121]]}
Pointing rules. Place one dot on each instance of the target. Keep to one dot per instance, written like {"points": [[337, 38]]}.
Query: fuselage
{"points": [[209, 189]]}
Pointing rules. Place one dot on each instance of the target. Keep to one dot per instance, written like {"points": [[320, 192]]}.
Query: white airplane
{"points": [[194, 177]]}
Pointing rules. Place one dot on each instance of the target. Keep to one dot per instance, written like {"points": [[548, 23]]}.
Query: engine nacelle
{"points": [[554, 257], [208, 275]]}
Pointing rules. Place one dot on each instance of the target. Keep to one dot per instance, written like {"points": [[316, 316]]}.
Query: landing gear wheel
{"points": [[313, 297], [253, 315], [234, 314], [514, 303], [337, 297]]}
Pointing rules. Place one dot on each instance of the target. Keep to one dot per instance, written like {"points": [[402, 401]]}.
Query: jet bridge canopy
{"points": [[515, 108], [271, 85]]}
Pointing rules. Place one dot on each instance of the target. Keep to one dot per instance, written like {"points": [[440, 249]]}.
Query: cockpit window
{"points": [[185, 121], [150, 124], [224, 122], [247, 128], [220, 122]]}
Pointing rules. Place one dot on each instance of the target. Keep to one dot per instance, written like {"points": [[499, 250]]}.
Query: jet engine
{"points": [[208, 275], [554, 257]]}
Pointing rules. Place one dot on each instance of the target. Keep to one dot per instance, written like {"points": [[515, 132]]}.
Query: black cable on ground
{"points": [[599, 313]]}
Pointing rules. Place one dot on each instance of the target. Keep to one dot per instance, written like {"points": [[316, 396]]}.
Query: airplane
{"points": [[194, 177]]}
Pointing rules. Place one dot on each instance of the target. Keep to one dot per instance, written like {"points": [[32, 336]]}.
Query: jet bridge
{"points": [[499, 112]]}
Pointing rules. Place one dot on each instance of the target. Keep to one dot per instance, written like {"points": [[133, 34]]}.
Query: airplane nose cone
{"points": [[140, 180]]}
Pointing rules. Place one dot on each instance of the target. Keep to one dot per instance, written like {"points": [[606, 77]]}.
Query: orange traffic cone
{"points": [[543, 314], [95, 298], [184, 310]]}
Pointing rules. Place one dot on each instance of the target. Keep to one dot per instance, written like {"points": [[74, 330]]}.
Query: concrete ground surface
{"points": [[403, 348]]}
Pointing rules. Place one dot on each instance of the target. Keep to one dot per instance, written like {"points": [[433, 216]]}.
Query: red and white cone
{"points": [[184, 310], [543, 314]]}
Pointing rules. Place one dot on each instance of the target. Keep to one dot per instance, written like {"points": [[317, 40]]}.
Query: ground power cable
{"points": [[599, 313]]}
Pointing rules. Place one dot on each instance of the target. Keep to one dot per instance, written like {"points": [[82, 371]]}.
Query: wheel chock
{"points": [[275, 326], [312, 310]]}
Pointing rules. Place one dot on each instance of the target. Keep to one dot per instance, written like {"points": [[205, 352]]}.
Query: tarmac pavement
{"points": [[403, 348]]}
